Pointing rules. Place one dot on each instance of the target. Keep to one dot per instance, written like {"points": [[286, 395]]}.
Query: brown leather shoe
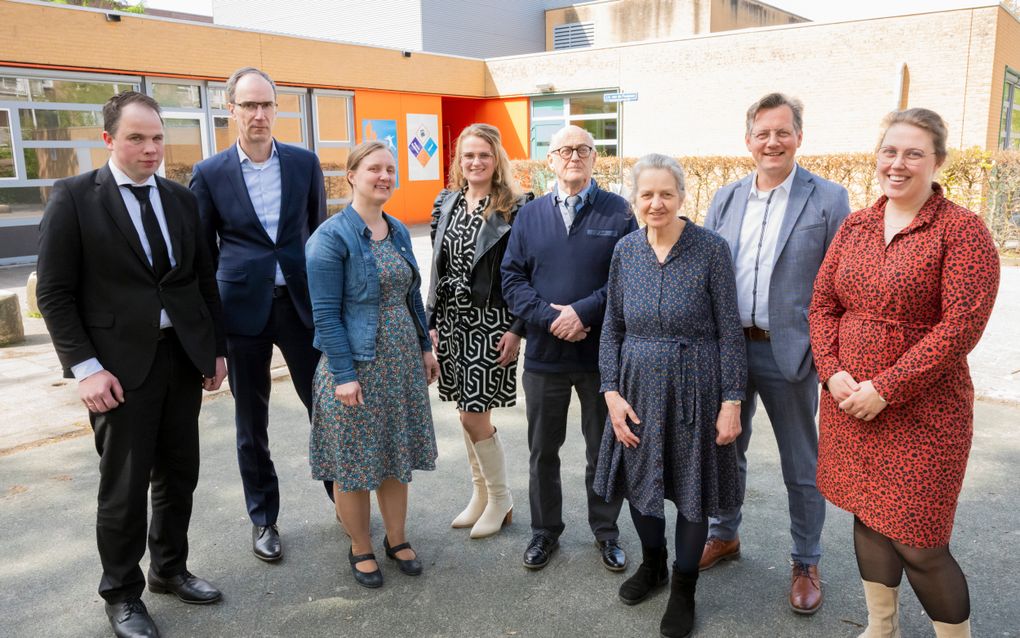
{"points": [[716, 549], [805, 589]]}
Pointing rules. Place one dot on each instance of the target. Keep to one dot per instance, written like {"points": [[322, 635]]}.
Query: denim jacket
{"points": [[343, 283]]}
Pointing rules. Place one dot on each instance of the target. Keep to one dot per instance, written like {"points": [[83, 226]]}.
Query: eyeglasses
{"points": [[567, 152], [888, 154], [481, 157], [255, 106]]}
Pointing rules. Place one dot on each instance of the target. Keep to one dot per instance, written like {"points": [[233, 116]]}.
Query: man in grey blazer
{"points": [[779, 222]]}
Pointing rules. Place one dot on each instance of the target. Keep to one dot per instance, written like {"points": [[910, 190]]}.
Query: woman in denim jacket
{"points": [[371, 421]]}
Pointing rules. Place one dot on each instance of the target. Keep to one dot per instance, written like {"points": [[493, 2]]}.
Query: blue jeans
{"points": [[791, 408]]}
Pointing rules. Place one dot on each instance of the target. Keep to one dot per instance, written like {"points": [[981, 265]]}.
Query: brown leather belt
{"points": [[754, 333], [279, 291]]}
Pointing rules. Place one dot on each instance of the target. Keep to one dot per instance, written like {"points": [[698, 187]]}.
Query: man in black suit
{"points": [[127, 290], [259, 201]]}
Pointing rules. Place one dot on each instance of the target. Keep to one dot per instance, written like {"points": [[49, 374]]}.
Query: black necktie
{"points": [[157, 245]]}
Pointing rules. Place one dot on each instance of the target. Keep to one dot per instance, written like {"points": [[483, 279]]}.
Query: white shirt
{"points": [[265, 190], [757, 249], [91, 366]]}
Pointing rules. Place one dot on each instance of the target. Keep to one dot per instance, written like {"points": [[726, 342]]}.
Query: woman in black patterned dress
{"points": [[475, 337]]}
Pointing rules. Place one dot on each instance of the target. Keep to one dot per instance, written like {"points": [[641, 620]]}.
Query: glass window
{"points": [[333, 159], [546, 107], [331, 113], [599, 129], [1009, 121], [7, 167], [182, 148], [74, 91], [51, 163], [177, 95], [23, 203], [290, 102], [337, 188], [541, 133], [45, 124], [224, 132], [585, 110], [334, 138], [290, 130], [590, 105], [217, 97]]}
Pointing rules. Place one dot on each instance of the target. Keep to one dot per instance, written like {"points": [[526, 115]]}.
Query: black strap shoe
{"points": [[539, 551], [186, 586], [265, 542], [613, 557], [411, 566], [130, 619], [372, 580], [650, 575]]}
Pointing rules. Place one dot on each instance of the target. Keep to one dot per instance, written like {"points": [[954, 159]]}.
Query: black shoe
{"points": [[651, 574], [613, 557], [539, 551], [678, 621], [372, 580], [130, 619], [265, 542], [411, 566], [186, 586]]}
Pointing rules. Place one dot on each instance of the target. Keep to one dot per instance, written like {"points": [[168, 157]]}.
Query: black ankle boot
{"points": [[651, 574], [678, 621]]}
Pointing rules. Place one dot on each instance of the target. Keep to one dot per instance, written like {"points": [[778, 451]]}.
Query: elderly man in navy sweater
{"points": [[554, 278]]}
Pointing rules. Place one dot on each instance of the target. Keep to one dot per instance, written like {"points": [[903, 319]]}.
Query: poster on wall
{"points": [[384, 131], [422, 148]]}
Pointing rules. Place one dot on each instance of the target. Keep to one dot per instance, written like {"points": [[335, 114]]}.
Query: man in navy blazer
{"points": [[259, 202], [779, 222]]}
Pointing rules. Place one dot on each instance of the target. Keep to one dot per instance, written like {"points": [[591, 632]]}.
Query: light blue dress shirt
{"points": [[265, 190], [91, 366], [561, 200]]}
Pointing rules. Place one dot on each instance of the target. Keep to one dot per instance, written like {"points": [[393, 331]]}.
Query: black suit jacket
{"points": [[98, 293]]}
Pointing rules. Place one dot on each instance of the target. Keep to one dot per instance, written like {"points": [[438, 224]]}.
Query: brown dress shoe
{"points": [[805, 589], [716, 549]]}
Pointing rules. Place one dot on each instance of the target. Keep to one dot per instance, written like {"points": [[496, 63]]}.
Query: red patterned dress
{"points": [[904, 316]]}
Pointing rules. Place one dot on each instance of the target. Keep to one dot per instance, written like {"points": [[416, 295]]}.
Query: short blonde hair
{"points": [[924, 119], [363, 150]]}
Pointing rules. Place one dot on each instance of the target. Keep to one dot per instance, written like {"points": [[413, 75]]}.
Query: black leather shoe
{"points": [[539, 551], [265, 542], [412, 566], [372, 580], [613, 557], [130, 619], [186, 586]]}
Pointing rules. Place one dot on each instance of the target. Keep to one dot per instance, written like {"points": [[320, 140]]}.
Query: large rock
{"points": [[33, 305], [12, 330]]}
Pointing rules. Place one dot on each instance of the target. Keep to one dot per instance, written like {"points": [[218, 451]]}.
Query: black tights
{"points": [[933, 573], [689, 538]]}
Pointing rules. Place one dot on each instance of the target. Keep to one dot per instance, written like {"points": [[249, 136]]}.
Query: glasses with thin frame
{"points": [[888, 155], [255, 106], [567, 152]]}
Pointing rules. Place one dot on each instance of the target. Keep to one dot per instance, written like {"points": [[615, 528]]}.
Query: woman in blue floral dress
{"points": [[673, 369], [371, 420]]}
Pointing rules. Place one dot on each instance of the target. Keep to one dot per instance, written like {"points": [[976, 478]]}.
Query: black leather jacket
{"points": [[486, 280]]}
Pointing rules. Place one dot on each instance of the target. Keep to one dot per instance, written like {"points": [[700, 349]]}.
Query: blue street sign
{"points": [[619, 97]]}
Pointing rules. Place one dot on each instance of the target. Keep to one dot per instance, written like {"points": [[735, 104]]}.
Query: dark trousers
{"points": [[248, 361], [150, 440], [548, 398]]}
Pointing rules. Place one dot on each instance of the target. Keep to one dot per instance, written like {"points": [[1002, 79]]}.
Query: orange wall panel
{"points": [[509, 115], [412, 201]]}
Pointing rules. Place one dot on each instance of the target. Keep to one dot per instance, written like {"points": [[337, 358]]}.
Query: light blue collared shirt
{"points": [[561, 200], [265, 189], [91, 366]]}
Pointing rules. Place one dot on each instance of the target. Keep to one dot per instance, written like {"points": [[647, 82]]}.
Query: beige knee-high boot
{"points": [[499, 509], [945, 630], [479, 496], [883, 611]]}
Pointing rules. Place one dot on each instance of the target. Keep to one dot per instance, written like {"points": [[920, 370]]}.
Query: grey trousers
{"points": [[548, 398], [791, 408]]}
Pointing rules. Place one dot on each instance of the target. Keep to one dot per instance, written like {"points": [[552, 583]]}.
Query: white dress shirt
{"points": [[757, 249], [91, 366], [265, 190]]}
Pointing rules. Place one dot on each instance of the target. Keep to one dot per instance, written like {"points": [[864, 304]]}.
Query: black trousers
{"points": [[248, 361], [548, 399], [150, 440]]}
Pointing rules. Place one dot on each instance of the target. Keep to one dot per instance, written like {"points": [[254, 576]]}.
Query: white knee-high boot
{"points": [[499, 508], [945, 630], [479, 495], [883, 610]]}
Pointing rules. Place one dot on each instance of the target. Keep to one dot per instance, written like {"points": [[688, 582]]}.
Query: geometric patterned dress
{"points": [[468, 372]]}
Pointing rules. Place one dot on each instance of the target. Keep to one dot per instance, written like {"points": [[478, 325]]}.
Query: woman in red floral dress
{"points": [[903, 295]]}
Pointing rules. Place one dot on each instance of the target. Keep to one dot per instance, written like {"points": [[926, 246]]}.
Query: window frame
{"points": [[1009, 139], [565, 118], [321, 144]]}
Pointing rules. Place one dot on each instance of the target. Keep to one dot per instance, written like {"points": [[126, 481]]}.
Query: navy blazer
{"points": [[815, 211], [242, 250]]}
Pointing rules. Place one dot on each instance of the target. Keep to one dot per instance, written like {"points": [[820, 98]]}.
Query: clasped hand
{"points": [[568, 325], [859, 400]]}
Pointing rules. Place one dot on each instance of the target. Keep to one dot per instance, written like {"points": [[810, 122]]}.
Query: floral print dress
{"points": [[391, 434]]}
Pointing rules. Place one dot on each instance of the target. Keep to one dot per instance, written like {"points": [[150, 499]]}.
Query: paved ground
{"points": [[470, 588]]}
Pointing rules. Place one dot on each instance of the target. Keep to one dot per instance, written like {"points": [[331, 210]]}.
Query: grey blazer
{"points": [[816, 209]]}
